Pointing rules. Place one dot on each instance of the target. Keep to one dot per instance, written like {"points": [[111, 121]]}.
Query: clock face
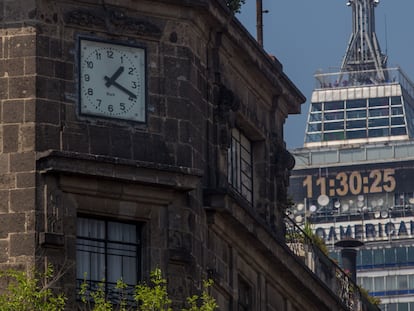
{"points": [[112, 80]]}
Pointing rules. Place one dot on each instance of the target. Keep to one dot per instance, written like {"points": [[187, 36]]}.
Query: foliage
{"points": [[208, 302], [316, 239], [235, 5], [373, 300], [152, 297], [94, 300], [27, 293]]}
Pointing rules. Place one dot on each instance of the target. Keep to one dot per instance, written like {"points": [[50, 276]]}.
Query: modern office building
{"points": [[354, 177]]}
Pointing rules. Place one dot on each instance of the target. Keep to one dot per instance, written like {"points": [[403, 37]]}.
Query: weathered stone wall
{"points": [[17, 136]]}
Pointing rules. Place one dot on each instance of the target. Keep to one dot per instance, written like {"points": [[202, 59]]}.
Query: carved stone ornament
{"points": [[226, 103], [112, 20], [134, 25], [85, 18]]}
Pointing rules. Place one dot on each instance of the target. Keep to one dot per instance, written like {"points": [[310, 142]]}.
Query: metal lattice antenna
{"points": [[363, 58]]}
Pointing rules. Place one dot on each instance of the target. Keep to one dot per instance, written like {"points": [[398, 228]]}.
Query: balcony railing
{"points": [[356, 79], [328, 271]]}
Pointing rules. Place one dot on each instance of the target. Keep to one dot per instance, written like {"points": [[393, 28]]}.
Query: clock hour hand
{"points": [[111, 80], [120, 87]]}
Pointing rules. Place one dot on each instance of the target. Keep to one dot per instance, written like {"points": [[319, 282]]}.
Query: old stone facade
{"points": [[197, 188]]}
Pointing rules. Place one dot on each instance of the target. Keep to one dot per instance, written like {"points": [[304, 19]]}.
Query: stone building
{"points": [[143, 134]]}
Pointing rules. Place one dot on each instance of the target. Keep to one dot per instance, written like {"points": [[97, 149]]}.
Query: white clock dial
{"points": [[112, 80]]}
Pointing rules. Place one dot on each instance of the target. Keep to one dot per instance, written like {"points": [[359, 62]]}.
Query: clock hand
{"points": [[120, 87], [111, 80]]}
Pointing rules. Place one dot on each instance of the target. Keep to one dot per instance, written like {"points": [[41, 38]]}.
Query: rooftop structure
{"points": [[365, 101]]}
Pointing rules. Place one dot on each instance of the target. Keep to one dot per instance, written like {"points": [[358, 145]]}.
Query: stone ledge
{"points": [[175, 177], [49, 239]]}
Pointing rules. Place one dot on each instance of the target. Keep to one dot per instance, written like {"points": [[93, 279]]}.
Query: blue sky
{"points": [[309, 35]]}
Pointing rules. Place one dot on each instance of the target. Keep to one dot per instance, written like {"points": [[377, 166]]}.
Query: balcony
{"points": [[328, 271]]}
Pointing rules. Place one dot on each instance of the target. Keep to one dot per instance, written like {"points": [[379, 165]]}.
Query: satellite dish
{"points": [[360, 197], [351, 202], [345, 207], [377, 214], [365, 208], [360, 204], [312, 208], [380, 202], [411, 200], [374, 203], [323, 200], [298, 219], [300, 206], [384, 214], [337, 204]]}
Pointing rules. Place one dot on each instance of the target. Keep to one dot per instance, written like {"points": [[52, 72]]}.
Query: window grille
{"points": [[240, 170], [107, 251]]}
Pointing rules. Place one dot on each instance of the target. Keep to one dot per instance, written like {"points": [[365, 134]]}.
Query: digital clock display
{"points": [[350, 183]]}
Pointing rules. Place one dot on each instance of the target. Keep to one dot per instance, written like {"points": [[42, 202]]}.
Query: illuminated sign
{"points": [[372, 230], [355, 183], [352, 180]]}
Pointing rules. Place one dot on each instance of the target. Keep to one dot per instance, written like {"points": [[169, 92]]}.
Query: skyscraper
{"points": [[354, 176]]}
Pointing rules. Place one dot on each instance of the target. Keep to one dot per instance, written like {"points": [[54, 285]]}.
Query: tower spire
{"points": [[363, 59]]}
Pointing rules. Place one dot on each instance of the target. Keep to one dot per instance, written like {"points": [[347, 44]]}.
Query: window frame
{"points": [[108, 244], [240, 164]]}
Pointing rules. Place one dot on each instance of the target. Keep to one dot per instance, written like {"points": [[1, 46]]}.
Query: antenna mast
{"points": [[363, 59]]}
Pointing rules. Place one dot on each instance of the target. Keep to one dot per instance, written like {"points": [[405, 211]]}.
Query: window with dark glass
{"points": [[395, 100], [334, 136], [378, 257], [335, 115], [378, 122], [378, 132], [379, 101], [396, 111], [245, 302], [313, 137], [332, 126], [401, 253], [356, 134], [410, 255], [397, 121], [403, 306], [336, 105], [411, 282], [356, 114], [366, 255], [398, 131], [356, 103], [315, 117], [389, 256], [107, 251], [315, 127], [379, 112], [356, 124], [240, 171], [316, 107]]}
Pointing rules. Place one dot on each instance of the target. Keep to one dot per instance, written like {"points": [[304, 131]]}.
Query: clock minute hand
{"points": [[111, 80], [120, 87]]}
